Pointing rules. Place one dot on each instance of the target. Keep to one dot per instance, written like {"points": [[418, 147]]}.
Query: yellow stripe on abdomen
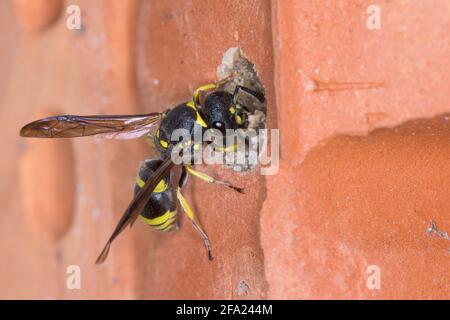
{"points": [[165, 225], [160, 187], [161, 222]]}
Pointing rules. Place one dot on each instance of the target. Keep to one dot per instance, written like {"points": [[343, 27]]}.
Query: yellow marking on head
{"points": [[199, 119], [232, 110], [157, 133], [163, 144], [238, 119], [155, 222], [160, 187], [185, 205]]}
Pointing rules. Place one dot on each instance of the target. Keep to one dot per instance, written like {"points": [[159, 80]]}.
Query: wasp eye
{"points": [[218, 125]]}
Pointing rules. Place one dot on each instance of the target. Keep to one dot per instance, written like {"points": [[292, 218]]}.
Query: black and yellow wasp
{"points": [[154, 196]]}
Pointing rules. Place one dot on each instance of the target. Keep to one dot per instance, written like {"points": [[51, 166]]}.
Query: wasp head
{"points": [[219, 111]]}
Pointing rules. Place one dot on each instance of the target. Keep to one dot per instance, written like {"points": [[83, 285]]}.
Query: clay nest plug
{"points": [[240, 71]]}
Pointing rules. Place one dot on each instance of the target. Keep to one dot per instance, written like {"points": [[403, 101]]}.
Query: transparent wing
{"points": [[137, 205], [112, 127]]}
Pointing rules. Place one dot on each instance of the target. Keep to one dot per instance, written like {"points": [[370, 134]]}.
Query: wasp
{"points": [[155, 197]]}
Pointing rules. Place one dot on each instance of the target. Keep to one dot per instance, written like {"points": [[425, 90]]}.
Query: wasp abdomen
{"points": [[160, 211]]}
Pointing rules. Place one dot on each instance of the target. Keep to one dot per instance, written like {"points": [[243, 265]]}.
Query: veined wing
{"points": [[137, 205], [112, 126]]}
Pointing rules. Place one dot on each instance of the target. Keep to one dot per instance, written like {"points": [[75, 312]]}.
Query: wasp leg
{"points": [[203, 176], [256, 94], [206, 88], [187, 209]]}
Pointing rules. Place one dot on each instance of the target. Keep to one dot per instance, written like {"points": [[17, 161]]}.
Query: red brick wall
{"points": [[362, 172]]}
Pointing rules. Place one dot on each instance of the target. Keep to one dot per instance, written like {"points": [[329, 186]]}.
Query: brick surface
{"points": [[362, 172]]}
